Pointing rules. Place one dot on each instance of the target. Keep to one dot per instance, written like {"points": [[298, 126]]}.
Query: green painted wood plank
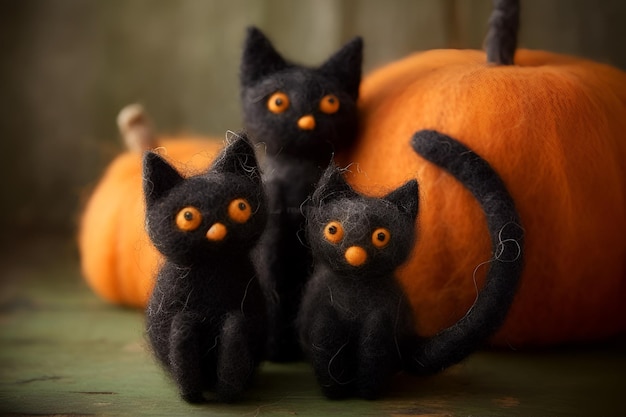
{"points": [[63, 352]]}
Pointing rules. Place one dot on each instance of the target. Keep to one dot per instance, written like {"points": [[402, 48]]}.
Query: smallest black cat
{"points": [[206, 319], [355, 321]]}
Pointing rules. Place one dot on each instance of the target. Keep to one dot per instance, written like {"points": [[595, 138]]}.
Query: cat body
{"points": [[355, 321], [301, 116], [206, 318]]}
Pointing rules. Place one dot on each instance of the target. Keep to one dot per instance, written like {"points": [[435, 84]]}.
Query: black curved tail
{"points": [[455, 343]]}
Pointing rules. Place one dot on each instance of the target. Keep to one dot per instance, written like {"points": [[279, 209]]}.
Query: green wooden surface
{"points": [[63, 352]]}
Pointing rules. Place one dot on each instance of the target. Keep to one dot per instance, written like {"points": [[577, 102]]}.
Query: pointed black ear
{"points": [[406, 198], [238, 158], [345, 66], [259, 59], [332, 186], [159, 177]]}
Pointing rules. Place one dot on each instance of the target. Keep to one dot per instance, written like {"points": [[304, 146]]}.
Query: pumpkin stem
{"points": [[501, 40], [136, 128]]}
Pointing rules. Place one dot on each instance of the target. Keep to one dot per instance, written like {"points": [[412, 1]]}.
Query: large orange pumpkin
{"points": [[118, 260], [554, 128]]}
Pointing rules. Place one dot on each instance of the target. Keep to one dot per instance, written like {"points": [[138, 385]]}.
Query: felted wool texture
{"points": [[355, 322], [552, 126], [294, 160], [206, 319], [118, 261]]}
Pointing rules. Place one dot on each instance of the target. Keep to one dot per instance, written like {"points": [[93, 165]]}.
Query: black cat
{"points": [[355, 321], [206, 319], [301, 115]]}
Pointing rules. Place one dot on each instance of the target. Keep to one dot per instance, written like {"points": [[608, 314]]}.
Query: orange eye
{"points": [[188, 219], [381, 237], [329, 104], [278, 102], [333, 232], [239, 210]]}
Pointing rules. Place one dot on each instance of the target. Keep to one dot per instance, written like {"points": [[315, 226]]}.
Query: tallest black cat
{"points": [[301, 115]]}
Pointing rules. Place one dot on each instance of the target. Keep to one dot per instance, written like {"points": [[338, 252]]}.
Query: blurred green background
{"points": [[68, 66]]}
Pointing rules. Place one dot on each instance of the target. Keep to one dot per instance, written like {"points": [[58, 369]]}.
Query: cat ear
{"points": [[345, 66], [238, 158], [259, 59], [406, 198], [159, 177], [332, 186]]}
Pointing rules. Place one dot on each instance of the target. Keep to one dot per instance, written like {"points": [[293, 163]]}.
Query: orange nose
{"points": [[356, 255], [216, 232], [306, 122]]}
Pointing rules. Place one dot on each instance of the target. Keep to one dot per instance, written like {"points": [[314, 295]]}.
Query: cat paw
{"points": [[193, 397], [236, 364], [370, 391], [337, 392]]}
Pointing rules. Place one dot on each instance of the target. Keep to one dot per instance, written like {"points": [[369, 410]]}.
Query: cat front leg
{"points": [[331, 352], [378, 355], [184, 358], [236, 360]]}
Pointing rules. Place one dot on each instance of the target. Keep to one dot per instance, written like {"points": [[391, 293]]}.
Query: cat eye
{"points": [[239, 210], [329, 104], [333, 232], [278, 102], [381, 237], [188, 219]]}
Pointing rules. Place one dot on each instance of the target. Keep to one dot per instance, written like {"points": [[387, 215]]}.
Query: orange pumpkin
{"points": [[118, 261], [554, 128]]}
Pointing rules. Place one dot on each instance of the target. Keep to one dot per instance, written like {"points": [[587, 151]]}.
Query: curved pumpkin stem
{"points": [[501, 40], [492, 304], [136, 128]]}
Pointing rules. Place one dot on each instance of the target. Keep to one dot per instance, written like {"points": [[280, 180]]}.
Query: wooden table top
{"points": [[64, 352]]}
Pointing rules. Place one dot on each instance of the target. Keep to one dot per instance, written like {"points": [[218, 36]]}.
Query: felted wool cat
{"points": [[301, 115], [355, 320], [206, 318]]}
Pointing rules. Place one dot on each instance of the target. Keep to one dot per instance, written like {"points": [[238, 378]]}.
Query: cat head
{"points": [[296, 110], [361, 236], [215, 215]]}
